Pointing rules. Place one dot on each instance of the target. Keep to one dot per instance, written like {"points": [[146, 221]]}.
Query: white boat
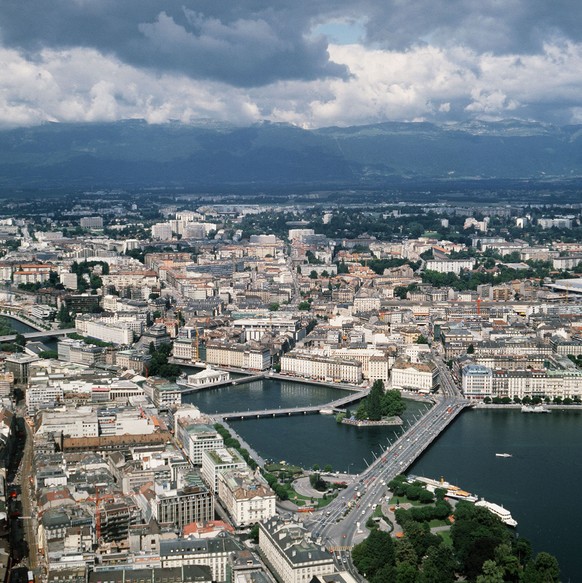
{"points": [[534, 409], [499, 511], [452, 490], [503, 455]]}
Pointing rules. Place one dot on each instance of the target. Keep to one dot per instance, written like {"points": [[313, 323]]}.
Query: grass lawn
{"points": [[404, 500], [437, 522], [446, 536], [306, 500]]}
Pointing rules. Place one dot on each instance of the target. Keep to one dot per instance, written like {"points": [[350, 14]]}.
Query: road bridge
{"points": [[41, 334], [341, 526]]}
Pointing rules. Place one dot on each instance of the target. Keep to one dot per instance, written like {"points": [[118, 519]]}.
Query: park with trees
{"points": [[478, 547]]}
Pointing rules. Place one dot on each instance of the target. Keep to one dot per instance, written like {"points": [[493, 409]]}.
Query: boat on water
{"points": [[452, 490], [499, 511], [503, 455], [534, 409]]}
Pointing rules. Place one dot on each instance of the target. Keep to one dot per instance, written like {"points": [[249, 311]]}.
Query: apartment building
{"points": [[247, 500], [322, 368]]}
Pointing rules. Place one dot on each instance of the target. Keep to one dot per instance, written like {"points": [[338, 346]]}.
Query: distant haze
{"points": [[137, 154]]}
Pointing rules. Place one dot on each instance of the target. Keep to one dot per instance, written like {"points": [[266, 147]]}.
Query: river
{"points": [[538, 484]]}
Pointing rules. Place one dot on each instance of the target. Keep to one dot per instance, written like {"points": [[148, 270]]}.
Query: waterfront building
{"points": [[206, 377], [184, 349], [290, 553], [104, 330], [477, 381], [163, 393], [322, 368], [421, 377]]}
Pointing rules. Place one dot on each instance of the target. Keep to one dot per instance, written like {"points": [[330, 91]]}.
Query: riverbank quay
{"points": [[517, 406], [252, 452], [368, 423]]}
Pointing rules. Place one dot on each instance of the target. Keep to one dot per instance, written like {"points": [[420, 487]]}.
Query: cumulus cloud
{"points": [[102, 60], [243, 44]]}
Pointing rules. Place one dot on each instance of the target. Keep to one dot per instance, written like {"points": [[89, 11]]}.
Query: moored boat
{"points": [[499, 511], [534, 409]]}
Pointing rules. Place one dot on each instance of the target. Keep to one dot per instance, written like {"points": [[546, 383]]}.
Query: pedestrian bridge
{"points": [[305, 410]]}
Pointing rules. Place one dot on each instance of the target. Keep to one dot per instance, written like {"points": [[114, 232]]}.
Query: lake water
{"points": [[538, 484]]}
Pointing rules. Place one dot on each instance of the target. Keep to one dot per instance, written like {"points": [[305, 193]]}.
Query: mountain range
{"points": [[133, 153]]}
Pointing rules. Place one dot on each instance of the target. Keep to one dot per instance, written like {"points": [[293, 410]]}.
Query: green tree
{"points": [[405, 573], [392, 403], [543, 569], [274, 306], [438, 565], [254, 533], [361, 412], [492, 573], [374, 401], [405, 552], [304, 306]]}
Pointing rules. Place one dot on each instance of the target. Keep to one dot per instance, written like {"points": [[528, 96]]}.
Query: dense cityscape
{"points": [[119, 310]]}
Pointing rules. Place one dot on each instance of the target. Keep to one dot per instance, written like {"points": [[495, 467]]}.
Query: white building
{"points": [[450, 265], [322, 368], [247, 500], [91, 222], [208, 376], [80, 422], [197, 438], [217, 460], [162, 231], [477, 381], [421, 377], [244, 356], [121, 334]]}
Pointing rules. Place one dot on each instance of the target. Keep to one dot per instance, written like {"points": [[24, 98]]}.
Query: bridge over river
{"points": [[340, 525], [332, 406]]}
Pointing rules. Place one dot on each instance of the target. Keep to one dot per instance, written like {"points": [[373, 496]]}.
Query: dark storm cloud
{"points": [[254, 42], [240, 43], [496, 26]]}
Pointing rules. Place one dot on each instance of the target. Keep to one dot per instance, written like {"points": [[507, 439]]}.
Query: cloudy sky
{"points": [[312, 63]]}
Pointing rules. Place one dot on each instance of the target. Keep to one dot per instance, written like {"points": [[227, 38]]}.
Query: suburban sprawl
{"points": [[115, 309]]}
